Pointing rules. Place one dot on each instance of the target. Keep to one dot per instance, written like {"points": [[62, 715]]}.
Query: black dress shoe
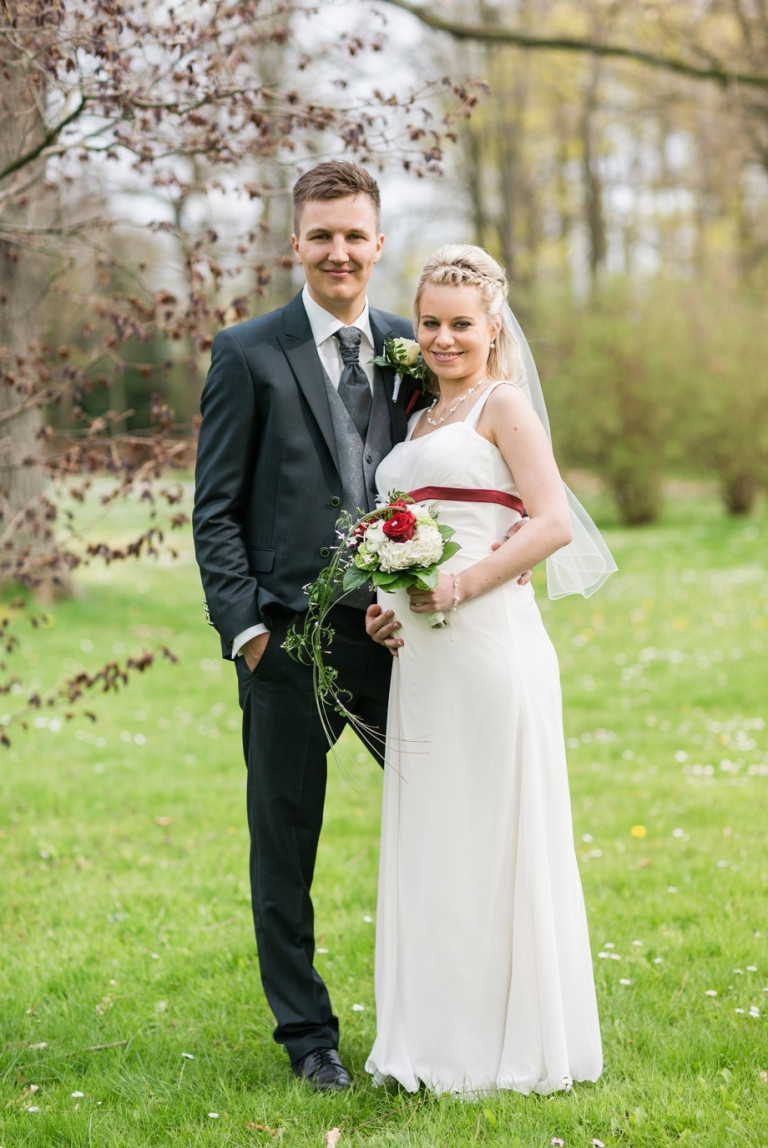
{"points": [[322, 1069]]}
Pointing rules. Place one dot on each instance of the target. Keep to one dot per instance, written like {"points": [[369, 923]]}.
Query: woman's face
{"points": [[455, 333]]}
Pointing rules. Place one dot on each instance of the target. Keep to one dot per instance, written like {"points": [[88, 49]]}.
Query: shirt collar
{"points": [[324, 324]]}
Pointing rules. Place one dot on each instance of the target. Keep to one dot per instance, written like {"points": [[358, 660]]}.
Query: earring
{"points": [[493, 343]]}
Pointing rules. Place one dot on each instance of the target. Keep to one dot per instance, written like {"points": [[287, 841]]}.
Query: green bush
{"points": [[646, 379], [725, 423], [606, 395]]}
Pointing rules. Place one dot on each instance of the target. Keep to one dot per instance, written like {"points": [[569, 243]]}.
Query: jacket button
{"points": [[324, 551], [335, 501], [369, 458]]}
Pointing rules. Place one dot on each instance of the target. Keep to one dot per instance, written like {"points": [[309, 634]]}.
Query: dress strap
{"points": [[473, 417]]}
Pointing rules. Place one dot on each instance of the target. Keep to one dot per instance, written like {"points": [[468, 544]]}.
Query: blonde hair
{"points": [[462, 265]]}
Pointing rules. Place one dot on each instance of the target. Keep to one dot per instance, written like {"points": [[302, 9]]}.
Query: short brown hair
{"points": [[334, 179]]}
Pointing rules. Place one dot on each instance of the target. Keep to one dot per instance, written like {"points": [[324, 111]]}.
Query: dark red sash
{"points": [[467, 494]]}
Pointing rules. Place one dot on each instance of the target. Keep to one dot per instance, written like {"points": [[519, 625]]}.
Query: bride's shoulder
{"points": [[507, 407], [505, 394]]}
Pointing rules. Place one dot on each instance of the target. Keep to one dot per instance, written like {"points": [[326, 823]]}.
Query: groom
{"points": [[295, 422]]}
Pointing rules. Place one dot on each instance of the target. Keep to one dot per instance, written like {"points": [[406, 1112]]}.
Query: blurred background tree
{"points": [[146, 154], [619, 169]]}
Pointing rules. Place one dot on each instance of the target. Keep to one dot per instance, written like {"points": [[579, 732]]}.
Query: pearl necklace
{"points": [[452, 410]]}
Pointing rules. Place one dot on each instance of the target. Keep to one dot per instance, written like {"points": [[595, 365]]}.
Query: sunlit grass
{"points": [[126, 933]]}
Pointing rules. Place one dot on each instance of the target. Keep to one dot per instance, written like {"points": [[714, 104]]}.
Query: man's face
{"points": [[337, 245]]}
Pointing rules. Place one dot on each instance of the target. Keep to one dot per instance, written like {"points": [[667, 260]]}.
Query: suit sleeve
{"points": [[225, 457]]}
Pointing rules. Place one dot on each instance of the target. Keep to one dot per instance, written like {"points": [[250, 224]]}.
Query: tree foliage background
{"points": [[615, 159], [145, 156], [619, 169]]}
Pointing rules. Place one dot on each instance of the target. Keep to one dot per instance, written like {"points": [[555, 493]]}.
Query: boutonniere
{"points": [[405, 357]]}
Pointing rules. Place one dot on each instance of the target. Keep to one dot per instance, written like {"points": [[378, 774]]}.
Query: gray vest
{"points": [[358, 461]]}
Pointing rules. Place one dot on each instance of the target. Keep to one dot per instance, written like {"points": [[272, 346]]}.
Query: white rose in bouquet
{"points": [[423, 549]]}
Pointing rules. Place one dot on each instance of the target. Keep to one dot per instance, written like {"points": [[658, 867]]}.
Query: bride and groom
{"points": [[483, 969]]}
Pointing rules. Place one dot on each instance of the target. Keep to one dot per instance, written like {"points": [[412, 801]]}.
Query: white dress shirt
{"points": [[324, 327]]}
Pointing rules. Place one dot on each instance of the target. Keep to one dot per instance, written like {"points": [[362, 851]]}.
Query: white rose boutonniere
{"points": [[405, 351], [404, 355]]}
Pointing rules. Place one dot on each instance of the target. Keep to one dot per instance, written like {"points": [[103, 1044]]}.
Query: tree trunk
{"points": [[25, 533], [637, 491], [473, 172], [593, 191], [738, 491]]}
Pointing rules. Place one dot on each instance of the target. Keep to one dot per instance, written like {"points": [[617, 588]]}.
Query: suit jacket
{"points": [[268, 487]]}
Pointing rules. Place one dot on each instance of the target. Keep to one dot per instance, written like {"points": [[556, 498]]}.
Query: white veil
{"points": [[585, 563]]}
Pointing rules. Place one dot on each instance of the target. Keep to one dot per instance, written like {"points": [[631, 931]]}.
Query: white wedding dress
{"points": [[483, 968]]}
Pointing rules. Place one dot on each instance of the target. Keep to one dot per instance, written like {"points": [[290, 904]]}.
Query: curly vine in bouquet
{"points": [[397, 545]]}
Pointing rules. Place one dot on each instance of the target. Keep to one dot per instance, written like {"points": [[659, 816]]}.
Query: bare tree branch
{"points": [[53, 133], [496, 34]]}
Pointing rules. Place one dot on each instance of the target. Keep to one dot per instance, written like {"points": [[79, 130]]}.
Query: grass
{"points": [[126, 935]]}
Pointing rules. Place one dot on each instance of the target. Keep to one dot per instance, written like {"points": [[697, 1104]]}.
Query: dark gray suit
{"points": [[268, 493]]}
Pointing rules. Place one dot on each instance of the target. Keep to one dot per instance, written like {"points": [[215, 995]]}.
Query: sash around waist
{"points": [[467, 494]]}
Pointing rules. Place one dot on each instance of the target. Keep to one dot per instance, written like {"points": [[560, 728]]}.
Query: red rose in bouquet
{"points": [[400, 526]]}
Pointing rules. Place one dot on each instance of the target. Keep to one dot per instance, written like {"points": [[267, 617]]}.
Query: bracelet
{"points": [[456, 595]]}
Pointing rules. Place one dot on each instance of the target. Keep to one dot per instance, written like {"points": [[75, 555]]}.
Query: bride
{"points": [[483, 967]]}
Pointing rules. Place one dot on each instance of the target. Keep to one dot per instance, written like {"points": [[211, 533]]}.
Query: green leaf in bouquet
{"points": [[423, 578], [385, 580], [354, 577], [449, 550]]}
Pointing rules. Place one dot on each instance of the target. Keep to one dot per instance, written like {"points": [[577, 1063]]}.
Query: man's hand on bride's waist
{"points": [[382, 626], [525, 578]]}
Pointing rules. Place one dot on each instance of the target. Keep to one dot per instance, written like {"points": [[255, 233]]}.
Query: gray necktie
{"points": [[354, 388]]}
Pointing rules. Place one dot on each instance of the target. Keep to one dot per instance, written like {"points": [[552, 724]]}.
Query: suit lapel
{"points": [[397, 416], [299, 348]]}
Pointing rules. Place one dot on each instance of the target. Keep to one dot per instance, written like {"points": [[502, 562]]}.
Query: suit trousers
{"points": [[285, 750]]}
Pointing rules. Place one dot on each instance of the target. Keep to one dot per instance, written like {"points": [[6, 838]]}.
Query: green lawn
{"points": [[132, 1012]]}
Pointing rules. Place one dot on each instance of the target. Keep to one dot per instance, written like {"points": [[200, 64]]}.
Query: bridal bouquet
{"points": [[393, 547]]}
